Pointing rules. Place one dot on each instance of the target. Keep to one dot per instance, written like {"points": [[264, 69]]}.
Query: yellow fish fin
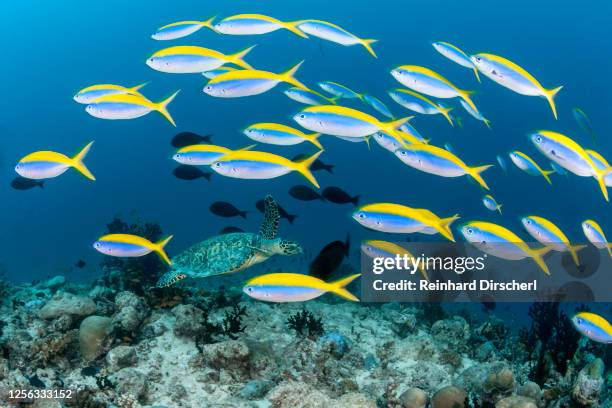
{"points": [[209, 23], [477, 74], [537, 256], [444, 111], [475, 173], [445, 224], [573, 249], [600, 176], [77, 162], [162, 107], [367, 43], [550, 94], [465, 95], [303, 167], [249, 147], [237, 58], [159, 248], [314, 139], [288, 76], [487, 123], [499, 207], [546, 174], [395, 124], [293, 27], [337, 287], [137, 88]]}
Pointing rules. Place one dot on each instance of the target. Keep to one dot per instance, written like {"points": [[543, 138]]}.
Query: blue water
{"points": [[50, 51]]}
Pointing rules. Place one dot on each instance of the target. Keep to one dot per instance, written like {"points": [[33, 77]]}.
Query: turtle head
{"points": [[286, 247]]}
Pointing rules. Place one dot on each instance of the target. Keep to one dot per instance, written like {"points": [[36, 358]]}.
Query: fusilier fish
{"points": [[500, 242], [435, 160], [181, 29], [571, 156], [429, 82], [338, 90], [594, 233], [502, 163], [331, 32], [255, 24], [528, 165], [46, 164], [247, 164], [593, 326], [309, 97], [127, 106], [491, 204], [513, 77], [547, 233], [202, 154], [396, 218], [91, 93], [277, 134], [419, 103], [248, 82], [475, 114], [456, 55], [295, 287], [190, 59], [131, 246], [346, 122], [377, 105]]}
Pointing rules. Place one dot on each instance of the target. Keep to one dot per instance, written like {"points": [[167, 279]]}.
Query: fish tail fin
{"points": [[546, 174], [396, 123], [475, 173], [243, 214], [162, 107], [499, 207], [355, 200], [337, 287], [477, 75], [465, 95], [137, 88], [334, 100], [293, 27], [573, 249], [209, 23], [289, 76], [367, 43], [600, 176], [159, 248], [538, 256], [550, 94], [237, 58], [77, 162], [487, 123], [445, 224], [314, 139], [303, 167], [444, 111]]}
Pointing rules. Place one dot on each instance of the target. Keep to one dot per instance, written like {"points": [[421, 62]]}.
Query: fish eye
{"points": [[588, 226], [478, 59], [403, 152], [539, 139], [361, 215], [470, 231], [302, 116], [217, 164], [208, 88], [250, 289], [528, 222]]}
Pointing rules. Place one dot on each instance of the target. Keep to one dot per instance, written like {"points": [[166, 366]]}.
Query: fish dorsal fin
{"points": [[269, 227]]}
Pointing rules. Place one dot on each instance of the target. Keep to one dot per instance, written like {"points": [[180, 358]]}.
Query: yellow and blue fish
{"points": [[46, 164], [490, 203], [91, 93], [593, 327], [594, 233], [277, 134], [510, 75], [181, 29], [419, 103], [295, 287], [255, 24], [529, 166], [547, 233], [191, 59], [455, 54], [339, 90], [475, 114], [131, 246], [334, 33], [202, 154], [128, 106], [396, 218], [309, 97]]}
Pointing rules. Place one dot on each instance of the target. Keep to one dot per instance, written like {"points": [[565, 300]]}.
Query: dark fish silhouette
{"points": [[22, 183], [189, 173], [338, 196], [283, 213], [189, 138], [329, 259], [80, 264], [317, 165], [230, 229], [36, 382], [304, 193], [225, 209], [89, 371]]}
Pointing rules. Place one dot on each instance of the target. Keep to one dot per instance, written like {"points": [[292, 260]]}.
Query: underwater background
{"points": [[52, 50]]}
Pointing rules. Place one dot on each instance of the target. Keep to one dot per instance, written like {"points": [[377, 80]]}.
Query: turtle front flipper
{"points": [[170, 278], [269, 227]]}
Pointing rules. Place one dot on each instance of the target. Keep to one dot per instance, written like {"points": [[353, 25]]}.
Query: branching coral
{"points": [[306, 324]]}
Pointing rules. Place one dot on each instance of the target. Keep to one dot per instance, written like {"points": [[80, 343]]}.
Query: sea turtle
{"points": [[230, 253]]}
